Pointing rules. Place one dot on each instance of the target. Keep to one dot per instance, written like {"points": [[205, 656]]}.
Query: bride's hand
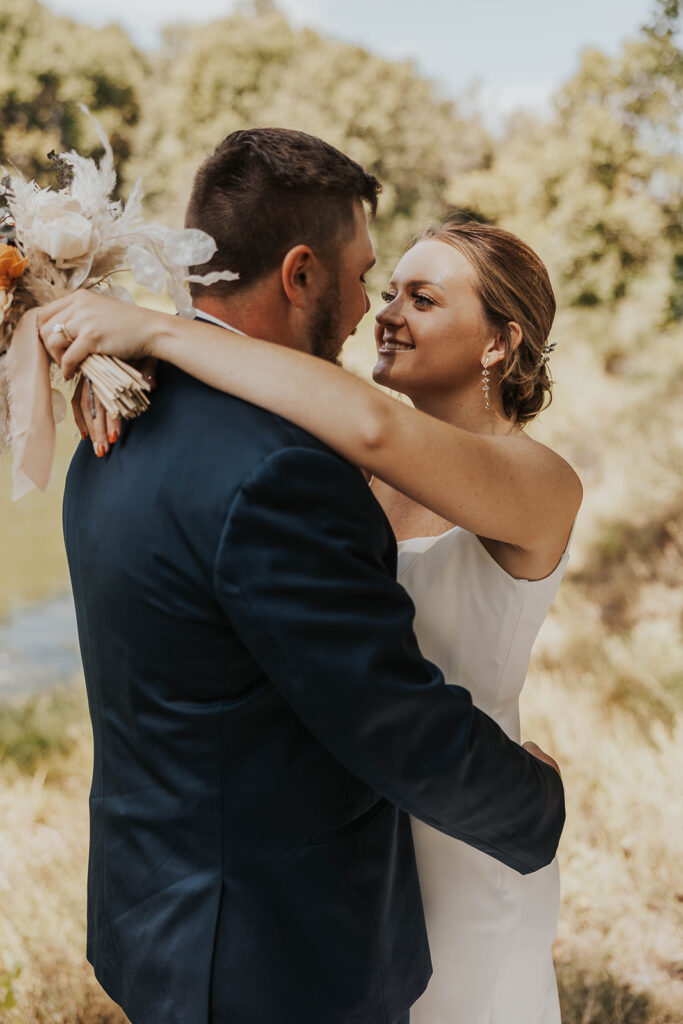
{"points": [[93, 420], [85, 323], [533, 748], [94, 323]]}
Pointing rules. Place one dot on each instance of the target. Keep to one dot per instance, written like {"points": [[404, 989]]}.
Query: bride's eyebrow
{"points": [[417, 284]]}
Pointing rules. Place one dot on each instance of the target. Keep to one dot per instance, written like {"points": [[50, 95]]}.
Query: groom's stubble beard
{"points": [[324, 330]]}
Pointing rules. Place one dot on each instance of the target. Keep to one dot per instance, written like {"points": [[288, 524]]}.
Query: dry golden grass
{"points": [[620, 854], [43, 858], [618, 945]]}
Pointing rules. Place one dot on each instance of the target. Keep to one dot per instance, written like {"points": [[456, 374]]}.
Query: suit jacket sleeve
{"points": [[301, 571]]}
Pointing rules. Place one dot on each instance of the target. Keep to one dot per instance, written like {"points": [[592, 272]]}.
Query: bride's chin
{"points": [[382, 374]]}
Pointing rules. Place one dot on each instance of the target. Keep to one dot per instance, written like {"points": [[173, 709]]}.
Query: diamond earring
{"points": [[485, 382]]}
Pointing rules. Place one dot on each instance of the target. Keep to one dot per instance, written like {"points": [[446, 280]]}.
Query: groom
{"points": [[264, 722]]}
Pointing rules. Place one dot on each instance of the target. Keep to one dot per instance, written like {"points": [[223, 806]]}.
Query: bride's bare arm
{"points": [[508, 489], [504, 488]]}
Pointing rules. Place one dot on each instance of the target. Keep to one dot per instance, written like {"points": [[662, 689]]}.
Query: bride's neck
{"points": [[466, 410]]}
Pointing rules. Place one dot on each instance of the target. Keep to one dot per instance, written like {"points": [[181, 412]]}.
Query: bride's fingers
{"points": [[56, 341], [102, 428], [78, 350], [77, 411], [66, 342], [113, 428], [533, 748], [95, 418], [64, 309], [67, 330], [52, 311], [81, 396]]}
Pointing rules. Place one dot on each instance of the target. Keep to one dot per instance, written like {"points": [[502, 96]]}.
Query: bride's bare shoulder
{"points": [[553, 497], [548, 465]]}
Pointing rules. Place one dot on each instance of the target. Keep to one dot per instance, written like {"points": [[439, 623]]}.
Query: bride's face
{"points": [[432, 332]]}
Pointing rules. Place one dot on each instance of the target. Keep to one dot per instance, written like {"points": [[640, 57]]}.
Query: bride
{"points": [[483, 515]]}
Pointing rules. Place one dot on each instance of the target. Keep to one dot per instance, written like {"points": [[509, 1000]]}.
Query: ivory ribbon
{"points": [[32, 421]]}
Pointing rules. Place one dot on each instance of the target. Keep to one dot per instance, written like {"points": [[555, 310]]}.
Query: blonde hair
{"points": [[513, 285]]}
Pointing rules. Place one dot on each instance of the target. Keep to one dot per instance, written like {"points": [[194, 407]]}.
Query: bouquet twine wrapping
{"points": [[122, 389]]}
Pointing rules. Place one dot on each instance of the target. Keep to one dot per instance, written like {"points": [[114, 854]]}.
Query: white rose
{"points": [[63, 235], [54, 203]]}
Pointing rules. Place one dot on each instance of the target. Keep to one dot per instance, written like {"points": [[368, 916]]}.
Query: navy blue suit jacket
{"points": [[264, 723]]}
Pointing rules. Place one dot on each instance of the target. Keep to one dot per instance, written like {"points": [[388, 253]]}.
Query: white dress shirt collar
{"points": [[214, 320]]}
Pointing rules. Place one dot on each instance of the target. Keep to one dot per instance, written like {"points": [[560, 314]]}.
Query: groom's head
{"points": [[288, 214]]}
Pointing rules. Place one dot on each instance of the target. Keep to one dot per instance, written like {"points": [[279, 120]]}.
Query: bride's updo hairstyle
{"points": [[513, 285]]}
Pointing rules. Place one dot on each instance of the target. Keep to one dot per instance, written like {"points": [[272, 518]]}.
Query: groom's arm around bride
{"points": [[304, 571]]}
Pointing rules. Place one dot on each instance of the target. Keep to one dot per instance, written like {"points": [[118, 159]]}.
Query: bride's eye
{"points": [[422, 301], [387, 296]]}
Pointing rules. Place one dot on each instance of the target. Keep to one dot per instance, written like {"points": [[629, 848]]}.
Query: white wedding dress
{"points": [[490, 929]]}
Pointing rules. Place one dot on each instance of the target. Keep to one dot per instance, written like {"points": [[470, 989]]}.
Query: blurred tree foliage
{"points": [[48, 65], [597, 189], [255, 69]]}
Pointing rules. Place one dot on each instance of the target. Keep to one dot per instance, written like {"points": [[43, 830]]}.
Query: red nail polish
{"points": [[84, 435], [100, 451], [113, 437]]}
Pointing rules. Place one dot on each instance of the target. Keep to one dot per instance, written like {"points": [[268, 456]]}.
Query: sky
{"points": [[518, 51]]}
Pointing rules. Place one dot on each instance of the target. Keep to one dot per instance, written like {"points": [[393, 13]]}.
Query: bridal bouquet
{"points": [[53, 241]]}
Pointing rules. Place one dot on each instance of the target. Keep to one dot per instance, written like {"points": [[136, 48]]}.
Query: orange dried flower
{"points": [[12, 266]]}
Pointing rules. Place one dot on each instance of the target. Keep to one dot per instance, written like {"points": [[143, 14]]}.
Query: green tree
{"points": [[255, 69], [597, 189], [48, 65]]}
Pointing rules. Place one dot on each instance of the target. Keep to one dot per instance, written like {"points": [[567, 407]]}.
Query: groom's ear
{"points": [[302, 276]]}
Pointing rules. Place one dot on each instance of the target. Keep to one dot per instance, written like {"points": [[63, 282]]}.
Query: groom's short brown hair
{"points": [[263, 191]]}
